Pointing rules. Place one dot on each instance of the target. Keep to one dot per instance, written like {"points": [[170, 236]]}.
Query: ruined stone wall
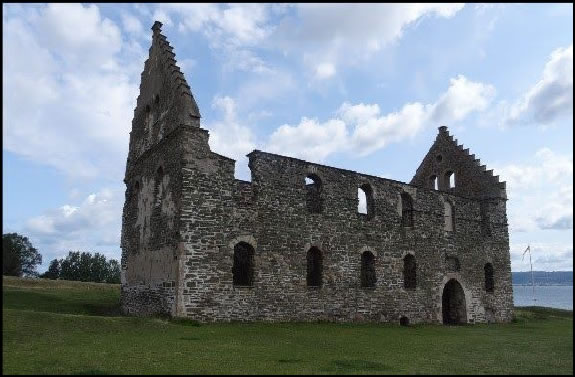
{"points": [[185, 213], [271, 215]]}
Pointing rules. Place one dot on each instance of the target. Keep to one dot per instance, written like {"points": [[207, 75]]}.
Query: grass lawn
{"points": [[58, 327]]}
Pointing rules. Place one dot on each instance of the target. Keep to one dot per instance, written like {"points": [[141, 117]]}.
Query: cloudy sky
{"points": [[361, 87]]}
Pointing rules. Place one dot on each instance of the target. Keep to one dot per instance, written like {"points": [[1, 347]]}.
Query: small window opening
{"points": [[433, 182], [314, 201], [406, 210], [368, 277], [450, 179], [243, 268], [314, 267], [362, 201], [489, 281], [365, 204], [409, 272], [439, 158], [157, 99], [148, 109]]}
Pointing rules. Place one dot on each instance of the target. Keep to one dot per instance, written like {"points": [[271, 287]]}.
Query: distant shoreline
{"points": [[543, 278]]}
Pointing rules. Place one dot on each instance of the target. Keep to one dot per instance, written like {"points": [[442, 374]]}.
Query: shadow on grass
{"points": [[184, 321], [61, 304], [90, 372], [351, 366]]}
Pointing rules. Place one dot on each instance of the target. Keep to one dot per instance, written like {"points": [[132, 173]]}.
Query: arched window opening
{"points": [[314, 267], [406, 210], [450, 179], [368, 277], [489, 282], [448, 216], [485, 223], [433, 182], [243, 269], [147, 109], [409, 272], [157, 99], [404, 321], [159, 187], [365, 204], [314, 201]]}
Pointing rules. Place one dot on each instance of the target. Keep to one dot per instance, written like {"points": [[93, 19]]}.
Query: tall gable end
{"points": [[165, 101], [457, 171]]}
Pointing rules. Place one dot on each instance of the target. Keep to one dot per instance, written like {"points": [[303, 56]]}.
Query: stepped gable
{"points": [[163, 58], [165, 101], [472, 179]]}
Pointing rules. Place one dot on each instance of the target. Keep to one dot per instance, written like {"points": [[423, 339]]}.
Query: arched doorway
{"points": [[453, 303]]}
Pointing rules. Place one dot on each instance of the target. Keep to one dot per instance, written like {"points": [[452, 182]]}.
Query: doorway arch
{"points": [[453, 304]]}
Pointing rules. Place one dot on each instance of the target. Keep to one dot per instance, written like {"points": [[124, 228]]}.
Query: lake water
{"points": [[553, 296]]}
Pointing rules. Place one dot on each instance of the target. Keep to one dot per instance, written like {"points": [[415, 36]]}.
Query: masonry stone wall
{"points": [[180, 229]]}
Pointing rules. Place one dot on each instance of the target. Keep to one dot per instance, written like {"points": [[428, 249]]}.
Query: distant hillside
{"points": [[544, 277]]}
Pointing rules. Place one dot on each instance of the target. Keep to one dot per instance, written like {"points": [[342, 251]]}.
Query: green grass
{"points": [[54, 327]]}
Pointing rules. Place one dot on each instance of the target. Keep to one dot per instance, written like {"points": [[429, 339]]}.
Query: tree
{"points": [[70, 267], [113, 275], [84, 266], [19, 257], [53, 270], [98, 268]]}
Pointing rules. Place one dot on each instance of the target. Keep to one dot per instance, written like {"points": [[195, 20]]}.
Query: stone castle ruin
{"points": [[291, 245]]}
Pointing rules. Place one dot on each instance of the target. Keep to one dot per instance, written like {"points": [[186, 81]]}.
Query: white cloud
{"points": [[324, 71], [545, 256], [233, 29], [310, 140], [79, 33], [348, 32], [230, 138], [540, 193], [462, 97], [71, 93], [362, 129], [318, 33], [550, 98], [231, 24], [373, 133], [92, 225]]}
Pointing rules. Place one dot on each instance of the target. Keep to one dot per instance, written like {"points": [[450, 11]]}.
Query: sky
{"points": [[360, 87]]}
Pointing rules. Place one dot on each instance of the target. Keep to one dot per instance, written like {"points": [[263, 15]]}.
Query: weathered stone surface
{"points": [[185, 216]]}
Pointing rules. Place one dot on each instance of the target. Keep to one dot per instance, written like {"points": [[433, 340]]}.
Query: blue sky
{"points": [[361, 87]]}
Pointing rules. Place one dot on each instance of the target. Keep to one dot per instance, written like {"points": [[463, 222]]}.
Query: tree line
{"points": [[20, 258]]}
